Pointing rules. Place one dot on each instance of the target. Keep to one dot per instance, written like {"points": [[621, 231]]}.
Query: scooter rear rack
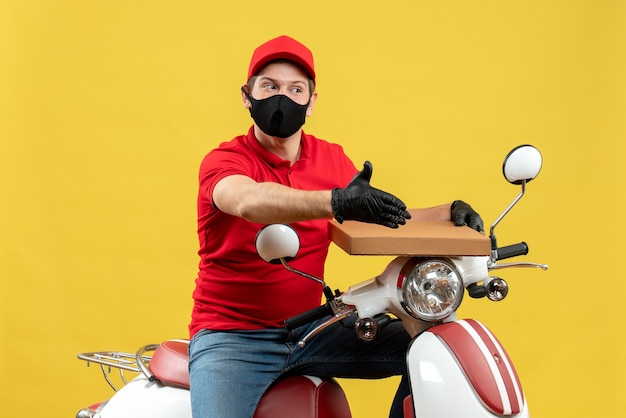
{"points": [[109, 360]]}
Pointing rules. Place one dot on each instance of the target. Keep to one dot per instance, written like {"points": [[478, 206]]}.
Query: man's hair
{"points": [[254, 77]]}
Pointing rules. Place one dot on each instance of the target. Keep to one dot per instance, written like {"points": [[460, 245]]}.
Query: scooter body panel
{"points": [[142, 398], [457, 371]]}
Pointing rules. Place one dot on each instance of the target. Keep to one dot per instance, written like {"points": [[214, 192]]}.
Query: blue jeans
{"points": [[230, 370]]}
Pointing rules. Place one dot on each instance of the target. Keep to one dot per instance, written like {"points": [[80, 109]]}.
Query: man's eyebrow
{"points": [[266, 78]]}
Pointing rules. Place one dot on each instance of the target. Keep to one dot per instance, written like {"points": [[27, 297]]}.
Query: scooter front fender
{"points": [[460, 369], [141, 398]]}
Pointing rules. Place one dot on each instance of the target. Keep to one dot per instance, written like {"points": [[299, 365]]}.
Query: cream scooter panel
{"points": [[142, 398], [455, 371]]}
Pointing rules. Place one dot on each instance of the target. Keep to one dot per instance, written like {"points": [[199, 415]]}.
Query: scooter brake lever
{"points": [[522, 264], [343, 314]]}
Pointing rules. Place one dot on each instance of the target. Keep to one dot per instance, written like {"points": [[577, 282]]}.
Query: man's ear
{"points": [[246, 101], [309, 110]]}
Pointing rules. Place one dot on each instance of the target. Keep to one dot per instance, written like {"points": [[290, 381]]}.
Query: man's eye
{"points": [[269, 86]]}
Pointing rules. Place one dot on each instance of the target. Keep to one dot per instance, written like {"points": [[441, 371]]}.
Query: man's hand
{"points": [[361, 202], [462, 214]]}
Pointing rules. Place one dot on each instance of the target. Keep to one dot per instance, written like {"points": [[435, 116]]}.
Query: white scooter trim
{"points": [[464, 360]]}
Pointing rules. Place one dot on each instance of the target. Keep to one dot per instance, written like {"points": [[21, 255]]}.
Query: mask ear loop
{"points": [[243, 90]]}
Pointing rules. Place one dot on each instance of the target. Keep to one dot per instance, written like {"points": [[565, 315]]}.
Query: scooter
{"points": [[456, 367]]}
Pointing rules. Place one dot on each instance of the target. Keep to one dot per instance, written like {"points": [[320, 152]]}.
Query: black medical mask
{"points": [[277, 115]]}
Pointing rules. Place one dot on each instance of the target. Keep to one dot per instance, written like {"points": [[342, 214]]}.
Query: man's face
{"points": [[284, 78]]}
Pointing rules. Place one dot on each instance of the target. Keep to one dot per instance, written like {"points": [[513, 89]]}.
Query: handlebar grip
{"points": [[308, 316], [513, 250]]}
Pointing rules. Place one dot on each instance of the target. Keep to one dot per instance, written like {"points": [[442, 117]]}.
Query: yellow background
{"points": [[107, 107]]}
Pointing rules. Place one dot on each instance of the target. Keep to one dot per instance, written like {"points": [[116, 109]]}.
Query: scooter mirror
{"points": [[523, 163], [277, 241]]}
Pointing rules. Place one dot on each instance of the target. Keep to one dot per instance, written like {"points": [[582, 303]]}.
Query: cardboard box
{"points": [[416, 238]]}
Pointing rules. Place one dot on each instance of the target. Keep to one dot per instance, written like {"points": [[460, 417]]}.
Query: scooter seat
{"points": [[304, 397], [291, 396], [170, 363]]}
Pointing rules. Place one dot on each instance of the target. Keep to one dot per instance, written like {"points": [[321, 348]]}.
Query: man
{"points": [[277, 173]]}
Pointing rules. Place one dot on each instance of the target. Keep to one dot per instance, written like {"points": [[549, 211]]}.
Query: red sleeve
{"points": [[218, 164]]}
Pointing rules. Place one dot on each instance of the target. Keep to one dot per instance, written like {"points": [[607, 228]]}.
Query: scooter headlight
{"points": [[430, 289]]}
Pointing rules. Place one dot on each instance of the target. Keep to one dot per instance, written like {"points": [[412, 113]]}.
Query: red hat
{"points": [[282, 47]]}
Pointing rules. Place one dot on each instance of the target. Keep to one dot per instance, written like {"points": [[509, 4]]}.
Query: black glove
{"points": [[463, 214], [361, 202]]}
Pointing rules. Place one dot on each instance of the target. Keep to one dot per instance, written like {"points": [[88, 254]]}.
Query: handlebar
{"points": [[308, 316], [512, 250]]}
